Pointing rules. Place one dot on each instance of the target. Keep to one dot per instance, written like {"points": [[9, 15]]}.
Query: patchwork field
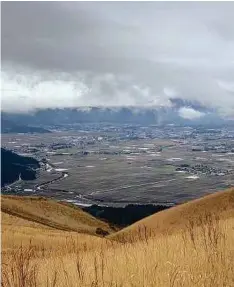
{"points": [[102, 168]]}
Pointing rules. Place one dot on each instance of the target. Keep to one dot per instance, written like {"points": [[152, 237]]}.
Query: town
{"points": [[86, 163]]}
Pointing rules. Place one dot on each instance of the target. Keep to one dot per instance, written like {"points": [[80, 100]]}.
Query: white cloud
{"points": [[190, 114], [30, 91], [169, 92]]}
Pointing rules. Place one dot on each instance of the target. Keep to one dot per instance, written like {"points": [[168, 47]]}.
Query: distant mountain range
{"points": [[123, 115], [9, 126], [14, 166]]}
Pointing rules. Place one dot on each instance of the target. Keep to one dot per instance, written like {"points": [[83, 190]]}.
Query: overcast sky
{"points": [[70, 54]]}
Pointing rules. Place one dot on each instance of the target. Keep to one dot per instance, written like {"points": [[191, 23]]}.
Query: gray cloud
{"points": [[57, 54]]}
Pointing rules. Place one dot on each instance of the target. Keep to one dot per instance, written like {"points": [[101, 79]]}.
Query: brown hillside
{"points": [[49, 213], [35, 253], [176, 219]]}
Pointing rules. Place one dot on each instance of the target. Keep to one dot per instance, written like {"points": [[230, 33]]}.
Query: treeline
{"points": [[123, 216], [13, 165]]}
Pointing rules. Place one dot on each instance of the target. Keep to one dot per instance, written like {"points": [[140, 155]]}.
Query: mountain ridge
{"points": [[14, 166]]}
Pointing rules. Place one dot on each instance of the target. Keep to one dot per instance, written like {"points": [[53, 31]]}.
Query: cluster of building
{"points": [[199, 169]]}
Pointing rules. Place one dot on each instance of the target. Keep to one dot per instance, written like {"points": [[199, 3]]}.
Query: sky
{"points": [[77, 54]]}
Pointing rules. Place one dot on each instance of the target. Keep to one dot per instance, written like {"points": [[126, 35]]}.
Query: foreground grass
{"points": [[198, 256]]}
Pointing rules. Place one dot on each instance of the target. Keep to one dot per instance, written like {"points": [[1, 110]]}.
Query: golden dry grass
{"points": [[198, 253], [43, 239], [176, 219], [52, 214]]}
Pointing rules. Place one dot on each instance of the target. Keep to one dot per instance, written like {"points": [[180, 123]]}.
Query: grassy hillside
{"points": [[197, 250], [51, 214], [179, 218], [21, 235]]}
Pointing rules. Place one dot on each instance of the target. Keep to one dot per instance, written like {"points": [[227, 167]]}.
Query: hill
{"points": [[8, 126], [121, 115], [41, 248], [177, 219], [51, 213], [14, 165]]}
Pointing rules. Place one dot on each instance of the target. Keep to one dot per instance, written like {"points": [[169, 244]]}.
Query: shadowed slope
{"points": [[14, 165]]}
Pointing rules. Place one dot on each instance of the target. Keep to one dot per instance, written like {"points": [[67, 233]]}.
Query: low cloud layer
{"points": [[190, 113], [71, 54]]}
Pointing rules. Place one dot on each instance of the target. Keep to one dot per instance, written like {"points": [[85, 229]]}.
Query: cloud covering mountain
{"points": [[77, 54]]}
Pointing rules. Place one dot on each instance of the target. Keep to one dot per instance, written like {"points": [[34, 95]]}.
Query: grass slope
{"points": [[195, 247], [177, 219], [21, 234], [52, 214]]}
